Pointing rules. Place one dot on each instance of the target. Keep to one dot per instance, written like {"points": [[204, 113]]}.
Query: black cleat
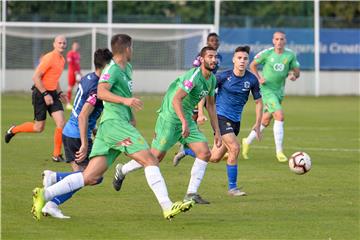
{"points": [[196, 198], [58, 158], [9, 134], [118, 177]]}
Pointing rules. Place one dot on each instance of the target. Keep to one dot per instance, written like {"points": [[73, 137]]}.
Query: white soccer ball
{"points": [[300, 163]]}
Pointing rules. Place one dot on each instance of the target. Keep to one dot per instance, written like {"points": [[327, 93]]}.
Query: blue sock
{"points": [[63, 198], [189, 152], [61, 175], [232, 175]]}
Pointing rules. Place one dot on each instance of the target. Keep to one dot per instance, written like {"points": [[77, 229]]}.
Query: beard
{"points": [[208, 67]]}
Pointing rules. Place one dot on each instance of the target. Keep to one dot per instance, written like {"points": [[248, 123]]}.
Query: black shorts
{"points": [[71, 146], [228, 126], [40, 107]]}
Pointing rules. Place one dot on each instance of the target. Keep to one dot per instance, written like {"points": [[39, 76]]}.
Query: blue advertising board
{"points": [[339, 48]]}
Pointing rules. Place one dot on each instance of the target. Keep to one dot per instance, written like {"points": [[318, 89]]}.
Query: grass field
{"points": [[322, 204]]}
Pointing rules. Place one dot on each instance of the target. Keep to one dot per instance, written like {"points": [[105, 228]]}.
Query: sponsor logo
{"points": [[279, 67], [203, 93], [188, 85], [130, 85], [105, 77]]}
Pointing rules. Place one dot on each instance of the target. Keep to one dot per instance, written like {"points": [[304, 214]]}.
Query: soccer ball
{"points": [[300, 163]]}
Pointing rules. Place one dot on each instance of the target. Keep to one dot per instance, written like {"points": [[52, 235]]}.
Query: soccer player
{"points": [[234, 87], [46, 95], [74, 72], [175, 123], [116, 134], [278, 63], [198, 112], [77, 131]]}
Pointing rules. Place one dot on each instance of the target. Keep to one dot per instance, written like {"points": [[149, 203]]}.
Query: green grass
{"points": [[322, 204]]}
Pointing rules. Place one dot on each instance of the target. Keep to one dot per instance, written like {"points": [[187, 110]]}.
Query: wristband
{"points": [[45, 93]]}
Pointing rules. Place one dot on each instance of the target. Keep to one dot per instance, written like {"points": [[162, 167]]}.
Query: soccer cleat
{"points": [[51, 209], [178, 156], [49, 178], [9, 134], [58, 158], [281, 157], [245, 148], [118, 177], [196, 198], [178, 207], [236, 192], [38, 202]]}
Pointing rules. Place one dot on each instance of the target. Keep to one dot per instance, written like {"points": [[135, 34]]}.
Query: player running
{"points": [[234, 87], [77, 131], [116, 134], [278, 63], [46, 95], [198, 112], [175, 123]]}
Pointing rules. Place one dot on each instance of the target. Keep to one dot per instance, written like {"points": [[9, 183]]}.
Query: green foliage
{"points": [[322, 204], [233, 13]]}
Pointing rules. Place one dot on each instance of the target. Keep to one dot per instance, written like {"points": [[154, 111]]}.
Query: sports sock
{"points": [[57, 141], [278, 135], [130, 166], [68, 184], [232, 171], [61, 175], [197, 174], [25, 127], [157, 184], [189, 152], [69, 92], [58, 200], [252, 135]]}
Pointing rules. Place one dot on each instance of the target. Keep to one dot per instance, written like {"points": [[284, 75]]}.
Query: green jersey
{"points": [[121, 85], [195, 85], [276, 68]]}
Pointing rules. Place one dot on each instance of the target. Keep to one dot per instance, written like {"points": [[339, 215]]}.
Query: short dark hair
{"points": [[242, 49], [120, 42], [102, 56], [205, 49], [211, 35]]}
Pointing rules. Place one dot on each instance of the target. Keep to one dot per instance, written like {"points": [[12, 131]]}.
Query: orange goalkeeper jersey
{"points": [[51, 66]]}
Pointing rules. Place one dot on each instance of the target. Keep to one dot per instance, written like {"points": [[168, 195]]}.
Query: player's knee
{"points": [[234, 148], [39, 128], [204, 155]]}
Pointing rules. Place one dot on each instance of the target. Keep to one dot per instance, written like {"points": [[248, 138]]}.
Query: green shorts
{"points": [[168, 133], [271, 102], [115, 137]]}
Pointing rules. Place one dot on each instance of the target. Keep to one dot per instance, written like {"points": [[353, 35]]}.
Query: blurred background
{"points": [[168, 35]]}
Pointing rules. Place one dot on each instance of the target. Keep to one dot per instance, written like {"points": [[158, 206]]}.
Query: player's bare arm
{"points": [[259, 113], [201, 116], [38, 84], [177, 104], [253, 69], [83, 120], [211, 108], [105, 94]]}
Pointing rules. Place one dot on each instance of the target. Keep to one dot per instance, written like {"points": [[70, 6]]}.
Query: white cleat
{"points": [[49, 178], [236, 192], [51, 209]]}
